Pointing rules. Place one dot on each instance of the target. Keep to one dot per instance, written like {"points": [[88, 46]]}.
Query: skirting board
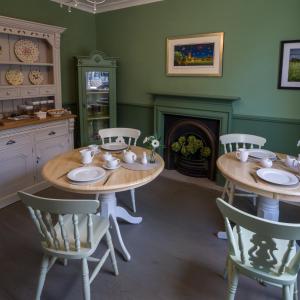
{"points": [[11, 198]]}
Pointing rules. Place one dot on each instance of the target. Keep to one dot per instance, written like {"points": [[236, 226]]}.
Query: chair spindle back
{"points": [[44, 212]]}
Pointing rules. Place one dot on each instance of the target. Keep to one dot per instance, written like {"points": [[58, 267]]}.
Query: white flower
{"points": [[298, 144], [145, 140], [155, 143]]}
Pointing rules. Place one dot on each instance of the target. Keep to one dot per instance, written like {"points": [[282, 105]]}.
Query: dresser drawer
{"points": [[47, 90], [52, 131], [9, 92], [29, 92], [14, 140]]}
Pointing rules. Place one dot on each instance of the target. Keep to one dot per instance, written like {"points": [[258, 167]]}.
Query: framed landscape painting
{"points": [[195, 55], [289, 72]]}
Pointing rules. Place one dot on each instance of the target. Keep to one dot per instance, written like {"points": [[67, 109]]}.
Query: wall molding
{"points": [[234, 116]]}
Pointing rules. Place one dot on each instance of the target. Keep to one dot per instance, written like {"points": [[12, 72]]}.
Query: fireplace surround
{"points": [[196, 108]]}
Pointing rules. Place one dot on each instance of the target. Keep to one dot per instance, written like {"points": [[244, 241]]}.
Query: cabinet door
{"points": [[17, 168], [47, 149], [97, 107]]}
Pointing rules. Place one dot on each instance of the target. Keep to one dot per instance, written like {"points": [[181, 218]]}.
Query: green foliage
{"points": [[191, 147]]}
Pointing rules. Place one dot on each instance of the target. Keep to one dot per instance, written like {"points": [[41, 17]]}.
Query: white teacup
{"points": [[291, 162], [113, 163], [266, 162], [242, 154], [107, 156]]}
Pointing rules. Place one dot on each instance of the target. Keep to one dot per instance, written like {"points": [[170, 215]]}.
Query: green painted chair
{"points": [[76, 235], [261, 249]]}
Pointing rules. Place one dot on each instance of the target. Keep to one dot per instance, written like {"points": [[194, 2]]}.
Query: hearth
{"points": [[197, 139]]}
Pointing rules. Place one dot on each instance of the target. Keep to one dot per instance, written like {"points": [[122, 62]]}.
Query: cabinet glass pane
{"points": [[97, 94], [94, 126]]}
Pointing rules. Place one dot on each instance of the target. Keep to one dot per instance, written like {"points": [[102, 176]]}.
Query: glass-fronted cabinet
{"points": [[97, 95]]}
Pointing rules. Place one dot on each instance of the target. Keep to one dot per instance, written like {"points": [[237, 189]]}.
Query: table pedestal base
{"points": [[110, 210], [268, 208]]}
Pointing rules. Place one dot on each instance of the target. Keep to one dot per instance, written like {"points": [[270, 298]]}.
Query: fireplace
{"points": [[204, 130], [205, 117]]}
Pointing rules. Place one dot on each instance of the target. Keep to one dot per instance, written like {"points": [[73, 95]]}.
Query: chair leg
{"points": [[132, 192], [295, 290], [43, 273], [232, 282], [225, 189], [225, 272], [286, 292], [85, 280], [112, 252], [231, 193]]}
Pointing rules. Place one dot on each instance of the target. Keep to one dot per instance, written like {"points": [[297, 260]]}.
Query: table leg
{"points": [[110, 210], [268, 208]]}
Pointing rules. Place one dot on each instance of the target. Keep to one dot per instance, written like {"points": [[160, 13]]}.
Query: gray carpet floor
{"points": [[175, 253]]}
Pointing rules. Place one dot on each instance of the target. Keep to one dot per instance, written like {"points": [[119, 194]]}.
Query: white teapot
{"points": [[129, 156]]}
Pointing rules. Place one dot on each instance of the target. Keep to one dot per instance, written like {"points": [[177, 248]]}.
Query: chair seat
{"points": [[100, 226], [271, 274]]}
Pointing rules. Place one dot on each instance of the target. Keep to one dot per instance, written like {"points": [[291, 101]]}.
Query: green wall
{"points": [[78, 39], [253, 31]]}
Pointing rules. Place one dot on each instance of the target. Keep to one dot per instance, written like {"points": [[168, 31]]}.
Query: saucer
{"points": [[111, 168]]}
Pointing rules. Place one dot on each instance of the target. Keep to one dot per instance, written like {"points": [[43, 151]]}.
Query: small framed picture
{"points": [[289, 69], [195, 55]]}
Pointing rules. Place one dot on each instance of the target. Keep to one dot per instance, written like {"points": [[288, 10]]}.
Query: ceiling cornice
{"points": [[112, 6]]}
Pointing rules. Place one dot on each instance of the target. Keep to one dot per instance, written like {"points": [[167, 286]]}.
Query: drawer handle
{"points": [[52, 133], [8, 93], [10, 142]]}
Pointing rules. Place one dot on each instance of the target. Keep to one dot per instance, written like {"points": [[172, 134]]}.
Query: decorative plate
{"points": [[27, 51], [36, 77], [14, 77]]}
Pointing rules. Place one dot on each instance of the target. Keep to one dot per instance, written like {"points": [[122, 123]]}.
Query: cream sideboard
{"points": [[24, 151]]}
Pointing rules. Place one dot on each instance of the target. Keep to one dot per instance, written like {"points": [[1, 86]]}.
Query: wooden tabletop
{"points": [[121, 179], [240, 174]]}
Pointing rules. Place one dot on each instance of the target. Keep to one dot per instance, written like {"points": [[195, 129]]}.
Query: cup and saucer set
{"points": [[110, 162]]}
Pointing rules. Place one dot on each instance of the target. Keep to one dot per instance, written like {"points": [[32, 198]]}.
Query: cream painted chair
{"points": [[127, 135], [232, 142], [262, 250], [76, 235]]}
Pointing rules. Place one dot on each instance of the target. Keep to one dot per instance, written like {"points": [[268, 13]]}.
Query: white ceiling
{"points": [[109, 4]]}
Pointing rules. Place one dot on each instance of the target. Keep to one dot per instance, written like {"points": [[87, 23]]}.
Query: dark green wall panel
{"points": [[78, 39]]}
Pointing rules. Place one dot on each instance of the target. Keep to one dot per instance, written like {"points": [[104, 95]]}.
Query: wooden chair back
{"points": [[264, 236], [127, 135], [45, 212], [234, 141]]}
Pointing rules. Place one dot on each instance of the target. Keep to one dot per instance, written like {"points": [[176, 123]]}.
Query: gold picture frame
{"points": [[195, 55]]}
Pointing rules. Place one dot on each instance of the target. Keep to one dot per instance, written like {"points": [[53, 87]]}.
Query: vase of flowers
{"points": [[152, 143]]}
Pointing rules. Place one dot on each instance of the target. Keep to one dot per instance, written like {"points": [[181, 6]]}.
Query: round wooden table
{"points": [[243, 175], [121, 179]]}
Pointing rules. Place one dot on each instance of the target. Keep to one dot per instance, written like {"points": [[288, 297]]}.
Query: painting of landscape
{"points": [[294, 65], [194, 55]]}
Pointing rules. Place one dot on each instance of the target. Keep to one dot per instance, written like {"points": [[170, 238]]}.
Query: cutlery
{"points": [[254, 177], [107, 178]]}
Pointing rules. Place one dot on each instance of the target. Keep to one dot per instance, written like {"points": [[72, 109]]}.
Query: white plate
{"points": [[277, 176], [86, 174], [114, 146], [262, 153], [110, 168]]}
